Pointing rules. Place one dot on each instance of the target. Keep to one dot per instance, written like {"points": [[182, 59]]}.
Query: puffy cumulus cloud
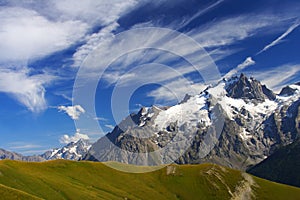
{"points": [[28, 89], [73, 111], [66, 139]]}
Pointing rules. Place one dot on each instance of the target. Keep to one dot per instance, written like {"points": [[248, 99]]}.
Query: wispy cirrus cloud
{"points": [[25, 34], [92, 41], [109, 126], [281, 37], [213, 35], [28, 89], [277, 77], [200, 13], [32, 30], [174, 91], [102, 12], [26, 148], [230, 30]]}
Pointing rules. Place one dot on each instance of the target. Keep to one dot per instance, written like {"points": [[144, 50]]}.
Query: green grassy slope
{"points": [[88, 180], [12, 194]]}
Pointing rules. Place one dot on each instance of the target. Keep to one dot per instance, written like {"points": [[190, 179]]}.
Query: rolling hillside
{"points": [[87, 180]]}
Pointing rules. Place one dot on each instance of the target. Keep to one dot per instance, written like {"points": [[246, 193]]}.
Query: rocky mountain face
{"points": [[249, 89], [72, 151], [237, 123]]}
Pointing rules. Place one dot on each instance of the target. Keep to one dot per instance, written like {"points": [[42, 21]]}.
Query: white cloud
{"points": [[224, 32], [248, 62], [66, 139], [73, 111], [92, 41], [228, 31], [25, 146], [25, 34], [102, 12], [105, 12], [33, 29], [277, 77], [175, 91], [109, 126], [64, 96], [280, 38], [101, 119], [200, 13], [28, 89]]}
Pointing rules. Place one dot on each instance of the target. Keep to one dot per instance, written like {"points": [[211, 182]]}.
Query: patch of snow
{"points": [[287, 100], [228, 103], [190, 113], [145, 111], [142, 123], [245, 135], [297, 87], [73, 150], [54, 151]]}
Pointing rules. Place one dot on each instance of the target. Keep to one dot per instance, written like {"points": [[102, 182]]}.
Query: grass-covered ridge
{"points": [[91, 180]]}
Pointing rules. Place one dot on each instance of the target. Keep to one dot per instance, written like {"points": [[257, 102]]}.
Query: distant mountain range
{"points": [[16, 156], [256, 125], [72, 151]]}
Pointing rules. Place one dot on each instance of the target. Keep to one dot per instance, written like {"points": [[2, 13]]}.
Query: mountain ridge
{"points": [[256, 123], [255, 127], [71, 151]]}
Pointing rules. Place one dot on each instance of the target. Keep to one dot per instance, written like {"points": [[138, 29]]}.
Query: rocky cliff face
{"points": [[237, 123], [248, 89]]}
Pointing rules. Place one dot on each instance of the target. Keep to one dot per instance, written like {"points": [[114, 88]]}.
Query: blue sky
{"points": [[43, 44]]}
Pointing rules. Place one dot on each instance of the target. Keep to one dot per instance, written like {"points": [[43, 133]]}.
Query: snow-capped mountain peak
{"points": [[256, 121], [72, 151]]}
